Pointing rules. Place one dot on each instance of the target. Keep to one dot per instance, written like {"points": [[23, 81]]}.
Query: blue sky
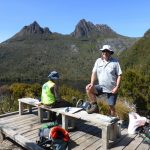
{"points": [[126, 17]]}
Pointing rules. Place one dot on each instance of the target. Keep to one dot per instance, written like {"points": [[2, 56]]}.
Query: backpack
{"points": [[60, 138], [53, 137]]}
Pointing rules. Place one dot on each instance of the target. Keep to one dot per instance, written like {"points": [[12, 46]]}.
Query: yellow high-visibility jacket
{"points": [[47, 96]]}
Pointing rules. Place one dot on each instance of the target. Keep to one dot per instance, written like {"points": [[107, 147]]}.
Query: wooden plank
{"points": [[18, 121], [143, 146], [29, 101], [33, 136], [30, 133], [125, 140], [14, 114], [18, 125], [94, 146], [81, 133], [10, 120], [87, 140], [134, 143], [28, 128], [81, 127], [10, 114], [20, 139], [84, 116], [89, 133], [25, 121], [78, 137]]}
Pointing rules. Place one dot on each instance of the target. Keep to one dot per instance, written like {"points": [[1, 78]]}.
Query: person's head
{"points": [[107, 51], [53, 75]]}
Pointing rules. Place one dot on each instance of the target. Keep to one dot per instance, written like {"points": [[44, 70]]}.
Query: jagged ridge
{"points": [[33, 29], [88, 29]]}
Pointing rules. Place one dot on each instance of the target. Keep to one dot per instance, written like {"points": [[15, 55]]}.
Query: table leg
{"points": [[105, 135], [30, 109], [20, 108], [64, 122], [73, 123], [40, 114]]}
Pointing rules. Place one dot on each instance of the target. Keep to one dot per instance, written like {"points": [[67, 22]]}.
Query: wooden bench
{"points": [[30, 102], [109, 125]]}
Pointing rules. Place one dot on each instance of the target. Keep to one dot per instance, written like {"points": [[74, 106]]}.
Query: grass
{"points": [[121, 109]]}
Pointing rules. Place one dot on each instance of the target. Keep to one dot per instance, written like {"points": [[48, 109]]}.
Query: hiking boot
{"points": [[93, 109]]}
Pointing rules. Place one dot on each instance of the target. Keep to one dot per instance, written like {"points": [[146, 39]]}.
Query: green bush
{"points": [[135, 87], [9, 95], [68, 94]]}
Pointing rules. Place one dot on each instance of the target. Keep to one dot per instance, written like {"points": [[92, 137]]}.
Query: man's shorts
{"points": [[111, 98]]}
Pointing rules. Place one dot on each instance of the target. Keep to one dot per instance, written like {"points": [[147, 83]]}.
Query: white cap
{"points": [[107, 47]]}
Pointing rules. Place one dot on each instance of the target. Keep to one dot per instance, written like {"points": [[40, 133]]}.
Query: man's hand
{"points": [[115, 90], [89, 86]]}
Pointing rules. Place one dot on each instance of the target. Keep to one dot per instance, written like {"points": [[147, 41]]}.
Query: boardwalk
{"points": [[87, 136]]}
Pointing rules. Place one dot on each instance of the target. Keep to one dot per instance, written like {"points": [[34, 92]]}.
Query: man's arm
{"points": [[115, 89], [118, 81], [93, 78]]}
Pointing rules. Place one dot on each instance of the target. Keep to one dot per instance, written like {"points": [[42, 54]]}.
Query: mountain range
{"points": [[34, 51]]}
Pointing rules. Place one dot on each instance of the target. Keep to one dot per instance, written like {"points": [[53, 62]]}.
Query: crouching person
{"points": [[50, 95]]}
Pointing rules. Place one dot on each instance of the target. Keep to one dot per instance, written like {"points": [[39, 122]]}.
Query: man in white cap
{"points": [[108, 72]]}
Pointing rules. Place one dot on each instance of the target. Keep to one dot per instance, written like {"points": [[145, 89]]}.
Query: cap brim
{"points": [[107, 49]]}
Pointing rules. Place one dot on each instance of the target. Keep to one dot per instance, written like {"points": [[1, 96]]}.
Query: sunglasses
{"points": [[105, 51]]}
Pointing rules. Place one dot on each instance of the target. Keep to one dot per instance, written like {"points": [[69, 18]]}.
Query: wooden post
{"points": [[118, 130], [113, 132], [20, 108], [64, 122], [49, 115], [73, 123], [30, 109], [105, 140], [40, 114]]}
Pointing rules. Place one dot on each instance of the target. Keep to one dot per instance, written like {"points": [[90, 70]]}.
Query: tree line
{"points": [[135, 89]]}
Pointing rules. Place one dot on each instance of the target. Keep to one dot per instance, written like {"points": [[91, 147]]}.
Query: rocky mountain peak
{"points": [[84, 29], [147, 34], [88, 29], [31, 30], [105, 29], [35, 28]]}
